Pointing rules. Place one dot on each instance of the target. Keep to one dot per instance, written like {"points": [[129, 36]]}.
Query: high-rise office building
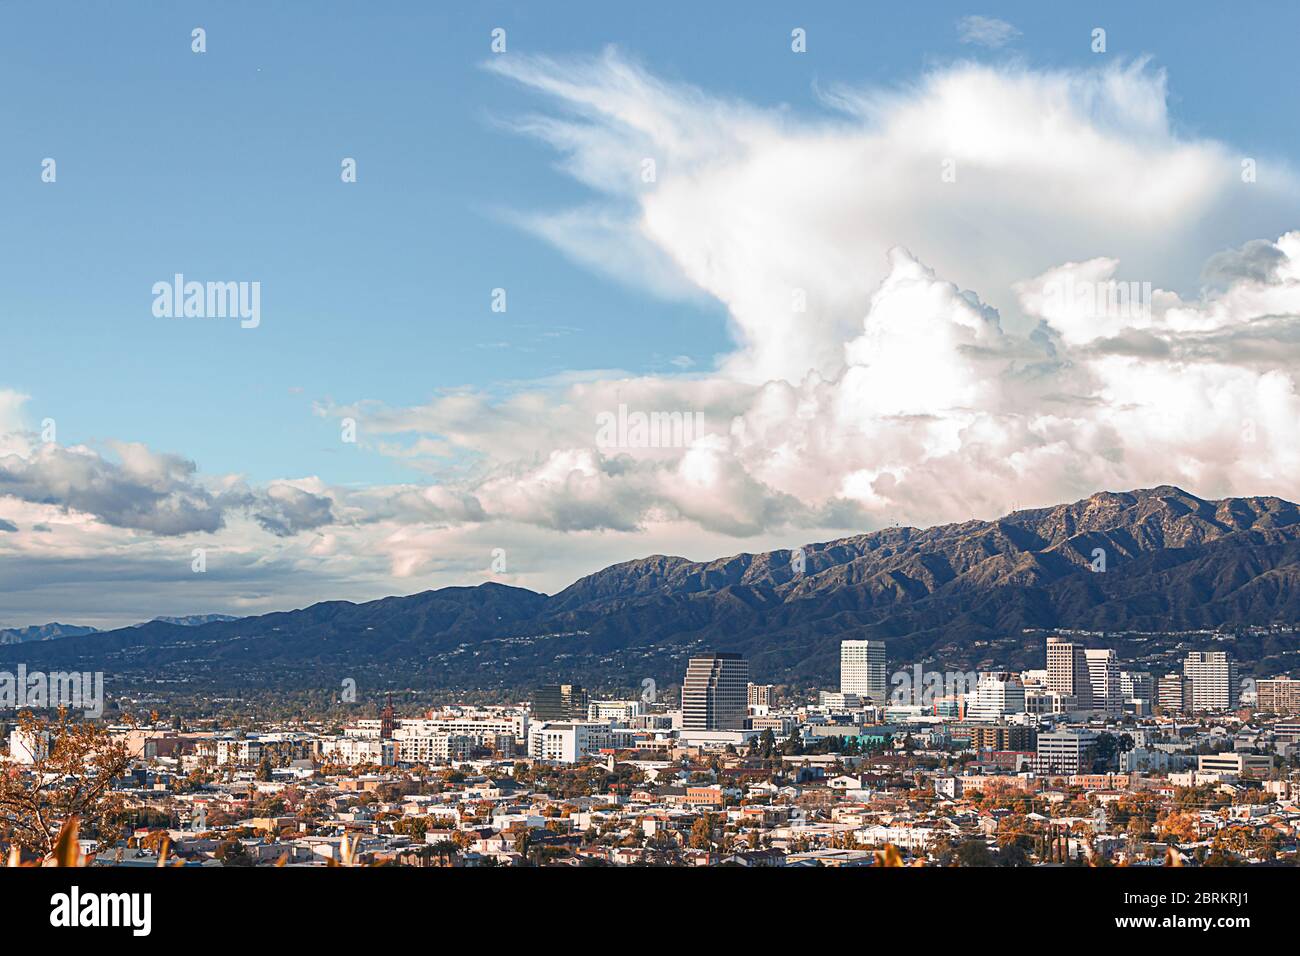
{"points": [[1065, 751], [1103, 677], [863, 670], [1067, 670], [715, 693], [1278, 695], [560, 702], [1137, 685], [1214, 680], [1174, 693], [996, 695], [761, 695]]}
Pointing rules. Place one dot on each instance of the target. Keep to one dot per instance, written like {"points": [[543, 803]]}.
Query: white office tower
{"points": [[1064, 751], [862, 670], [996, 695], [1214, 680], [1103, 677]]}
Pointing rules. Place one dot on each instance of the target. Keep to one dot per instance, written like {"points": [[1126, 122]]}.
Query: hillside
{"points": [[943, 595]]}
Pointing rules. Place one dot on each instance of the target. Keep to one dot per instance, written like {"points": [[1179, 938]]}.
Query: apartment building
{"points": [[615, 711], [355, 751], [1001, 737], [1137, 685], [417, 748], [1278, 695], [485, 725], [236, 750], [762, 697]]}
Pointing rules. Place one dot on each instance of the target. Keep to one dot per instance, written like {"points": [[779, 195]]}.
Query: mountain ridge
{"points": [[1156, 559], [43, 632]]}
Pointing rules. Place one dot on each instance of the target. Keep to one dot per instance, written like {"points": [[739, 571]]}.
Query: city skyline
{"points": [[449, 443]]}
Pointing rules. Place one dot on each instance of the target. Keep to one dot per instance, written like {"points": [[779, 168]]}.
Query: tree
{"points": [[1105, 751], [415, 827], [974, 852], [1013, 854], [74, 765], [445, 852], [1179, 827], [702, 833], [232, 853], [523, 840], [1138, 828]]}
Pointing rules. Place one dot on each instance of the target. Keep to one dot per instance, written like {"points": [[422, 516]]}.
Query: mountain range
{"points": [[42, 632], [966, 595], [194, 620], [54, 631]]}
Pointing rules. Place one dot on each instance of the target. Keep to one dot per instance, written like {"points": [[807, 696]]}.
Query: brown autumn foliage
{"points": [[69, 780], [1180, 827]]}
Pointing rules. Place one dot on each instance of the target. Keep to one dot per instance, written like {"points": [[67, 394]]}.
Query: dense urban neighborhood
{"points": [[1084, 762]]}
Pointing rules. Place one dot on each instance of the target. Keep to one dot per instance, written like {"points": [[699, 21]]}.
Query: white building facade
{"points": [[863, 670]]}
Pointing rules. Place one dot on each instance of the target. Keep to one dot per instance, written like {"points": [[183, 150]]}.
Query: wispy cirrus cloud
{"points": [[986, 31]]}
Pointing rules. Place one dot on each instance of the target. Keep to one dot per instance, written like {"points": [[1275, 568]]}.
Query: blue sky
{"points": [[929, 383], [226, 165]]}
